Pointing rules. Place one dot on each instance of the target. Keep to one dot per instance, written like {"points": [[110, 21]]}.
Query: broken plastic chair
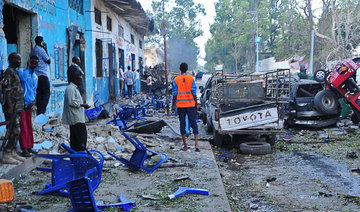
{"points": [[188, 190], [82, 198], [139, 156], [68, 167], [94, 112]]}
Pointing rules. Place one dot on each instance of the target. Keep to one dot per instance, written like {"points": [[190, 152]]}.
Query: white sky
{"points": [[206, 21]]}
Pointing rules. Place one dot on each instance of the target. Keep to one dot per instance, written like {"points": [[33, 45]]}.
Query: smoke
{"points": [[181, 50]]}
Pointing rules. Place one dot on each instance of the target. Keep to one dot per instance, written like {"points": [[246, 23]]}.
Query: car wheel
{"points": [[320, 75], [255, 148], [217, 138], [326, 102], [271, 139]]}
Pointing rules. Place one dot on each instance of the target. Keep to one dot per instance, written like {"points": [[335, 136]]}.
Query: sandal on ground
{"points": [[197, 150]]}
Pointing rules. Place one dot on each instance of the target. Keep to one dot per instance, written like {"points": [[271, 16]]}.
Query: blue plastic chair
{"points": [[139, 156], [68, 167], [82, 198]]}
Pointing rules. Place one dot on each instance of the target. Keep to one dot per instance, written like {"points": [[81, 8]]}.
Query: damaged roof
{"points": [[132, 12]]}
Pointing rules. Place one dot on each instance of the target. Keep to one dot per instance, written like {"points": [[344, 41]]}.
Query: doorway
{"points": [[121, 59], [132, 61], [112, 71], [18, 31]]}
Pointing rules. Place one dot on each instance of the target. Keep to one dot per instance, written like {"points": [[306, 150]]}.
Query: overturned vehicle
{"points": [[244, 105], [303, 108]]}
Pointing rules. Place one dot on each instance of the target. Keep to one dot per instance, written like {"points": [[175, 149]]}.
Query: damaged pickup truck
{"points": [[246, 105]]}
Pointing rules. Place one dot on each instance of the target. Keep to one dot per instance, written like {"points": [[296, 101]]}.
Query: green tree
{"points": [[182, 27]]}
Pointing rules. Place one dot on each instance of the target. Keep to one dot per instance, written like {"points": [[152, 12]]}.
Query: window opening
{"points": [[99, 58], [97, 16], [108, 23]]}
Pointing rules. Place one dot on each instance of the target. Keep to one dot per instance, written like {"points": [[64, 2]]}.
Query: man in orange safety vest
{"points": [[184, 95]]}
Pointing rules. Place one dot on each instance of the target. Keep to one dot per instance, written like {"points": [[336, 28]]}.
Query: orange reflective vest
{"points": [[184, 97]]}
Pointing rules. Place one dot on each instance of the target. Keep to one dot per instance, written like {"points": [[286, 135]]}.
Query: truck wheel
{"points": [[326, 102], [320, 75], [271, 139], [255, 148], [217, 138]]}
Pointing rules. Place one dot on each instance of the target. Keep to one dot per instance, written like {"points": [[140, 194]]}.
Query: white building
{"points": [[118, 29]]}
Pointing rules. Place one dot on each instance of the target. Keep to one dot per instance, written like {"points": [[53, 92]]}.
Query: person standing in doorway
{"points": [[12, 108], [184, 95], [43, 73], [74, 113], [29, 82], [129, 80], [121, 79]]}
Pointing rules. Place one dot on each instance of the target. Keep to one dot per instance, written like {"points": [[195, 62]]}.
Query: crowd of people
{"points": [[22, 88]]}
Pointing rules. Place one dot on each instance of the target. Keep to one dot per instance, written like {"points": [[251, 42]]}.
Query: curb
{"points": [[23, 168]]}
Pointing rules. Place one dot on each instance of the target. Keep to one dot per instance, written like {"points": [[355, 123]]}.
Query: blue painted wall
{"points": [[51, 19]]}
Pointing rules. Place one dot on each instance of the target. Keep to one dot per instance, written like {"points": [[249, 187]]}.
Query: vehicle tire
{"points": [[217, 138], [271, 139], [320, 75], [326, 102], [255, 148]]}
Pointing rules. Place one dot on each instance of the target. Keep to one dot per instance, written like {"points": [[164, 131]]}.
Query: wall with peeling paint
{"points": [[51, 20], [67, 33], [119, 41]]}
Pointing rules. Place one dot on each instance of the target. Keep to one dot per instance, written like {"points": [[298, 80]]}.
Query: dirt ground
{"points": [[304, 173], [308, 170]]}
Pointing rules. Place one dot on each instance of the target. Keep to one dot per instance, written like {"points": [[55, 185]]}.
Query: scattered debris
{"points": [[150, 197], [223, 155], [357, 170], [351, 155], [188, 190], [271, 179], [323, 194], [181, 178]]}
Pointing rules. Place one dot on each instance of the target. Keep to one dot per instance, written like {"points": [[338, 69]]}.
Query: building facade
{"points": [[104, 35], [153, 55]]}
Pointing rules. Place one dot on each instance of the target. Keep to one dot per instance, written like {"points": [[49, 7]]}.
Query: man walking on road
{"points": [[43, 73], [184, 92], [129, 80]]}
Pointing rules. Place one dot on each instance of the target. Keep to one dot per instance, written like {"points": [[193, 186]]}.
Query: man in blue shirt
{"points": [[29, 82], [43, 73]]}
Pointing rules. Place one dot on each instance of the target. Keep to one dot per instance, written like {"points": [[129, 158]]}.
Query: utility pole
{"points": [[163, 31], [257, 38]]}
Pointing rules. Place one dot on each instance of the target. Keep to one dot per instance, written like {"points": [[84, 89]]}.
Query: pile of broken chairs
{"points": [[129, 112], [77, 174]]}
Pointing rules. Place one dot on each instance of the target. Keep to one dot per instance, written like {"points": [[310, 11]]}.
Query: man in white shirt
{"points": [[74, 113], [129, 80]]}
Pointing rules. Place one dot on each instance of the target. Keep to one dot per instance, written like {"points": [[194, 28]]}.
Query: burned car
{"points": [[241, 105], [301, 109]]}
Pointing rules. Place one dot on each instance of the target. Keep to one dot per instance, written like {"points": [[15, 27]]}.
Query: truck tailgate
{"points": [[249, 119]]}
